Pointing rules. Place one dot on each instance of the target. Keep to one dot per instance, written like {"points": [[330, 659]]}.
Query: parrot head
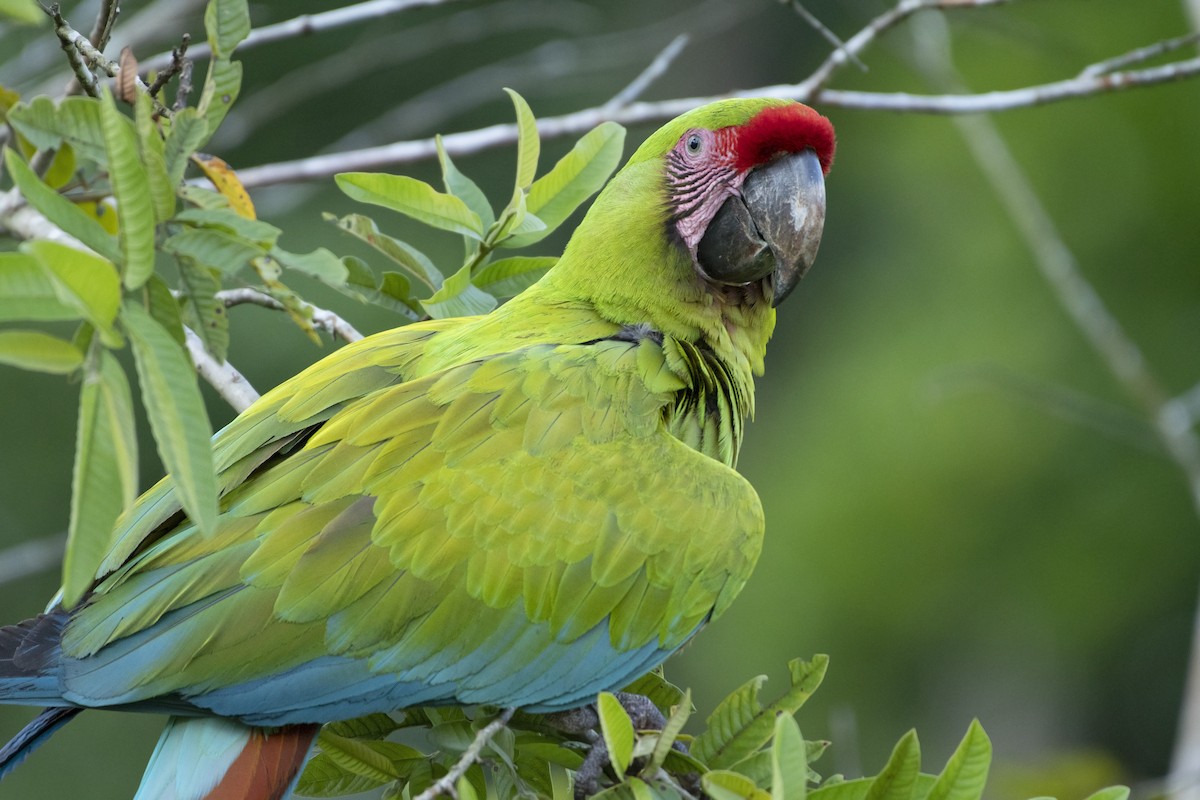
{"points": [[744, 184]]}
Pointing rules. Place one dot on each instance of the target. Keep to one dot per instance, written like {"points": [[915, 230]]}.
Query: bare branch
{"points": [[68, 37], [31, 557], [863, 39], [221, 375], [826, 33], [322, 318], [103, 28], [444, 786], [369, 158], [1139, 55], [649, 75], [308, 24]]}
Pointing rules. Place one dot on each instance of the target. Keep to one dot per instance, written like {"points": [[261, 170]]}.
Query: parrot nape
{"points": [[520, 509]]}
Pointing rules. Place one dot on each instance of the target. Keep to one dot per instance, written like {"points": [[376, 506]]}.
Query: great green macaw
{"points": [[520, 509]]}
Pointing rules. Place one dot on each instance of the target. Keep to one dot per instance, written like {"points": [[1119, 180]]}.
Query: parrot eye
{"points": [[694, 143]]}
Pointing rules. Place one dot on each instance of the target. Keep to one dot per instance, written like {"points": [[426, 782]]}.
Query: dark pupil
{"points": [[694, 143]]}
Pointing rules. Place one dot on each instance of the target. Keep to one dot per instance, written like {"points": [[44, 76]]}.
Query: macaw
{"points": [[519, 509]]}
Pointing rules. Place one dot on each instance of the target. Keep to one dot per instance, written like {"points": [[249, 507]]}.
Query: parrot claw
{"points": [[584, 721]]}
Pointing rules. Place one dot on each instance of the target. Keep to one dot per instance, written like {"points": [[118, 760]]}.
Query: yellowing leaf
{"points": [[226, 182]]}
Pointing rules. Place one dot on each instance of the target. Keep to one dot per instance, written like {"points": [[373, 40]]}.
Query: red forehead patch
{"points": [[784, 129]]}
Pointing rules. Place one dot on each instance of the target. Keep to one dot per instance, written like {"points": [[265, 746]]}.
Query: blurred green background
{"points": [[964, 510]]}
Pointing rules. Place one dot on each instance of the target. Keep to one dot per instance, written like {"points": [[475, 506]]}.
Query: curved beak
{"points": [[772, 231]]}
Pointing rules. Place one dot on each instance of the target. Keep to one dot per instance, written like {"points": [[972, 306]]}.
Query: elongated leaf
{"points": [[188, 131], [87, 282], [38, 351], [372, 726], [213, 248], [1111, 793], [22, 11], [392, 291], [62, 167], [725, 785], [27, 291], [576, 177], [225, 180], [227, 23], [458, 297], [657, 689], [360, 756], [164, 308], [966, 772], [740, 724], [323, 777], [528, 144], [463, 187], [857, 789], [898, 778], [105, 475], [617, 729], [135, 205], [412, 198], [407, 257], [320, 264], [221, 88], [668, 734], [229, 221], [154, 159], [204, 312], [789, 762], [75, 120], [509, 277], [59, 210], [176, 411]]}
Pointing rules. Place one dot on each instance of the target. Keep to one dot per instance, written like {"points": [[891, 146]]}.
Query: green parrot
{"points": [[520, 509]]}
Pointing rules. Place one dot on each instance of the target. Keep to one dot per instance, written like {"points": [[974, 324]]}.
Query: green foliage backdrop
{"points": [[963, 508]]}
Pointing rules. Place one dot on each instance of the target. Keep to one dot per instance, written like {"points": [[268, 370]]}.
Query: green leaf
{"points": [[408, 258], [576, 177], [84, 281], [966, 772], [75, 120], [320, 264], [392, 291], [225, 219], [227, 23], [62, 167], [131, 188], [369, 758], [372, 726], [24, 12], [1111, 793], [153, 152], [323, 777], [105, 474], [188, 131], [725, 785], [509, 277], [898, 778], [213, 248], [163, 306], [203, 198], [59, 210], [221, 88], [458, 297], [27, 291], [412, 198], [40, 352], [666, 737], [528, 144], [617, 729], [204, 312], [176, 411], [857, 789], [789, 761], [656, 688], [463, 187], [740, 724]]}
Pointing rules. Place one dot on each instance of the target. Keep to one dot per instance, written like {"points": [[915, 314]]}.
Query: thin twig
{"points": [[1139, 55], [221, 375], [876, 27], [445, 784], [322, 318], [826, 33], [67, 36], [308, 24], [103, 28], [467, 142], [649, 75], [172, 69]]}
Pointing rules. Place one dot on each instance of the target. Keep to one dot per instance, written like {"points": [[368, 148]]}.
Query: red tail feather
{"points": [[267, 765]]}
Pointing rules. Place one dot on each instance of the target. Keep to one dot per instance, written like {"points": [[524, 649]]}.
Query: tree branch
{"points": [[652, 72], [322, 318], [445, 784], [306, 25]]}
